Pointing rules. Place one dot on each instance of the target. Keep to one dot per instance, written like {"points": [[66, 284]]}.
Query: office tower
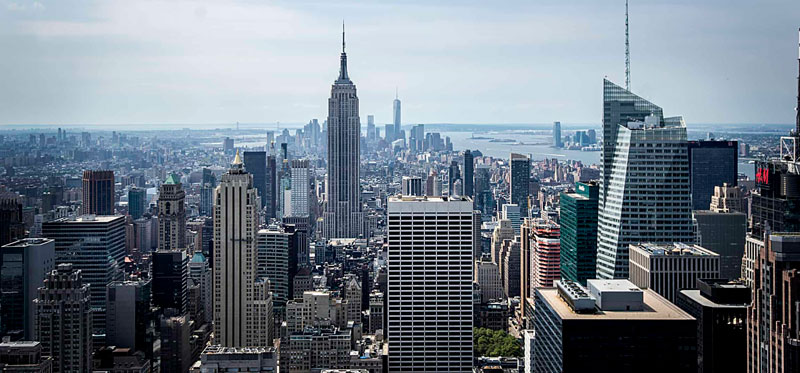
{"points": [[376, 312], [487, 275], [128, 315], [272, 248], [299, 230], [311, 309], [477, 242], [23, 265], [412, 186], [546, 255], [526, 253], [171, 215], [429, 181], [557, 135], [98, 192], [207, 192], [611, 327], [301, 174], [727, 198], [170, 280], [519, 181], [578, 220], [720, 308], [670, 268], [469, 174], [711, 164], [511, 268], [371, 128], [773, 329], [200, 275], [11, 225], [95, 245], [502, 232], [352, 297], [235, 221], [343, 217], [776, 200], [723, 233], [437, 186], [218, 359], [428, 332], [255, 163], [389, 133], [63, 322], [137, 202], [453, 175], [24, 356], [483, 191], [396, 115], [227, 145], [176, 352], [511, 212], [316, 349], [271, 189], [592, 136], [645, 193]]}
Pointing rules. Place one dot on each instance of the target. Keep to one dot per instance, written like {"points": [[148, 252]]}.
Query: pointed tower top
{"points": [[343, 78], [237, 161]]}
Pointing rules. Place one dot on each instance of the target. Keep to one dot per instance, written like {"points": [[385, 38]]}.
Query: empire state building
{"points": [[343, 217]]}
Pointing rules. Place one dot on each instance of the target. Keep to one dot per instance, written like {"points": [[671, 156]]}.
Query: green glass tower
{"points": [[579, 232]]}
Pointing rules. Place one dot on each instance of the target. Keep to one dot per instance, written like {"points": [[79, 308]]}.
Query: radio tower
{"points": [[627, 52]]}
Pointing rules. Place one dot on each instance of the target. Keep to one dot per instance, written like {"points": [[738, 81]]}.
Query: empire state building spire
{"points": [[343, 217], [343, 78]]}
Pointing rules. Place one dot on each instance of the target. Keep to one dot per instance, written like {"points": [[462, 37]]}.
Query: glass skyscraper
{"points": [[711, 163], [520, 181], [579, 233], [645, 193]]}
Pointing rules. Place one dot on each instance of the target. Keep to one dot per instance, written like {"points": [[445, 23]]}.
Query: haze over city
{"points": [[207, 62]]}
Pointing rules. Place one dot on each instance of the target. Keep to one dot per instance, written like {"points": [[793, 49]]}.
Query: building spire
{"points": [[396, 93], [627, 52], [343, 78], [237, 161]]}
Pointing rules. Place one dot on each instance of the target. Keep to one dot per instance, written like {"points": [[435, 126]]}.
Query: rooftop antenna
{"points": [[396, 93], [797, 108], [342, 36], [627, 51]]}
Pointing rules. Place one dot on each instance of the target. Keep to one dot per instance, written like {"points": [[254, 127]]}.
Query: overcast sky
{"points": [[150, 62]]}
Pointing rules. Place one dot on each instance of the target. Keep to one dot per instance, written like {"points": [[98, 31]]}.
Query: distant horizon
{"points": [[297, 125], [109, 62]]}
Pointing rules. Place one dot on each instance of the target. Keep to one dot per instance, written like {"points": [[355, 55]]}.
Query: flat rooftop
{"points": [[655, 308], [90, 219], [677, 248], [401, 198], [703, 301], [27, 242]]}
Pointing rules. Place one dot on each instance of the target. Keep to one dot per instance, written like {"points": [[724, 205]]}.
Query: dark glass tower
{"points": [[469, 173], [98, 192], [711, 163], [170, 280], [579, 233], [137, 202], [256, 164], [520, 181]]}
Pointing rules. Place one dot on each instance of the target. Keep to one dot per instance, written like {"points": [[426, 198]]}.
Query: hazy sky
{"points": [[133, 61]]}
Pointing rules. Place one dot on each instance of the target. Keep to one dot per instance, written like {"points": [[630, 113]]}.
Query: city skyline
{"points": [[265, 63]]}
